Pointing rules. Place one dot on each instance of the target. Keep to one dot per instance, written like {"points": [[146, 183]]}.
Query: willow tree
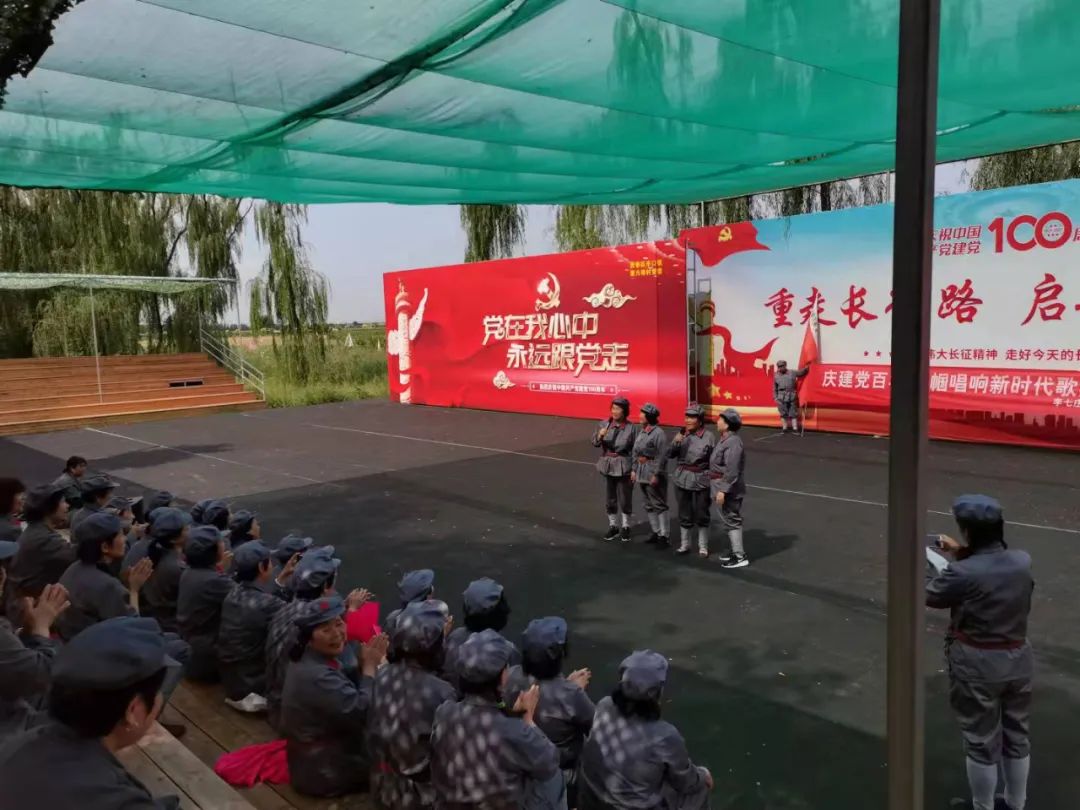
{"points": [[289, 293], [1042, 165], [492, 231]]}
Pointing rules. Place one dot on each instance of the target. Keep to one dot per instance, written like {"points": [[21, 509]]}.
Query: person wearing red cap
{"points": [[615, 437]]}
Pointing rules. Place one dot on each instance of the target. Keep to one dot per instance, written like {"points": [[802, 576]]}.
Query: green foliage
{"points": [[579, 227], [25, 34], [161, 235], [289, 292], [492, 231], [341, 374], [1042, 165]]}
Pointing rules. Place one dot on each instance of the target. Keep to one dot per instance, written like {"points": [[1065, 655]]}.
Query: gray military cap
{"points": [[249, 556], [93, 484], [316, 568], [158, 499], [291, 544], [320, 611], [201, 540], [110, 655], [213, 510], [416, 585], [198, 510], [97, 528], [544, 637], [481, 596], [483, 656], [642, 675], [168, 522], [977, 509], [418, 626]]}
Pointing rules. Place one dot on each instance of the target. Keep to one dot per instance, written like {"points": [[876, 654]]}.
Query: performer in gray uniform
{"points": [[68, 482], [408, 690], [509, 758], [564, 712], [26, 661], [323, 713], [97, 491], [786, 394], [245, 623], [105, 695], [649, 472], [988, 591], [632, 758], [727, 485], [202, 591], [94, 591], [615, 438], [691, 448], [44, 554]]}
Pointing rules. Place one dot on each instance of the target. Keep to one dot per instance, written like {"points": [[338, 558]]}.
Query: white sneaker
{"points": [[703, 553], [252, 704]]}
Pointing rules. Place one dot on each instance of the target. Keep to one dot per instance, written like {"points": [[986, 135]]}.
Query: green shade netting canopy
{"points": [[162, 286], [525, 101]]}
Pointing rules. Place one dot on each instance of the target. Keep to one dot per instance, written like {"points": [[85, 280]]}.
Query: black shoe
{"points": [[612, 533], [653, 539], [734, 561], [624, 535], [662, 543]]}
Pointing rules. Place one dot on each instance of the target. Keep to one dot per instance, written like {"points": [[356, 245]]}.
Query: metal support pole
{"points": [[916, 120], [97, 354]]}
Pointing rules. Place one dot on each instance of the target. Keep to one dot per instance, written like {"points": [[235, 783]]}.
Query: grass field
{"points": [[346, 372]]}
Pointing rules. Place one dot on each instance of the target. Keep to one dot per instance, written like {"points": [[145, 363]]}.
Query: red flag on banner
{"points": [[807, 354]]}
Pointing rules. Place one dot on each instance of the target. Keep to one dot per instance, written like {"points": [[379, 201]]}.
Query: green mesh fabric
{"points": [[526, 101], [44, 281]]}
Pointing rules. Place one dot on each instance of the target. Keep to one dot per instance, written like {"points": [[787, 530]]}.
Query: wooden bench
{"points": [[166, 766], [214, 729]]}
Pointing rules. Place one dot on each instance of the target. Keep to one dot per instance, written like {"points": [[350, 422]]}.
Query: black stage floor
{"points": [[778, 670]]}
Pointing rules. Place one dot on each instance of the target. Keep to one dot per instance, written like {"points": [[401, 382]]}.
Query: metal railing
{"points": [[233, 360]]}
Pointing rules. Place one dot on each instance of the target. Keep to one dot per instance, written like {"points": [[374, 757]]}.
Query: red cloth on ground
{"points": [[252, 764], [363, 623]]}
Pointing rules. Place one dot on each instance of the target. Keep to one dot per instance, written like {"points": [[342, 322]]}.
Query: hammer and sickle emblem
{"points": [[725, 235]]}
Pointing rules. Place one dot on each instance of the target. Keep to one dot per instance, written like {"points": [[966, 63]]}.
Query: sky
{"points": [[354, 244]]}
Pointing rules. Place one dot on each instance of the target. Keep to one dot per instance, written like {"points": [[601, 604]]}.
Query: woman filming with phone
{"points": [[987, 587]]}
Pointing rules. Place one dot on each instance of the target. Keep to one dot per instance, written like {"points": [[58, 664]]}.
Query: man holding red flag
{"points": [[786, 383]]}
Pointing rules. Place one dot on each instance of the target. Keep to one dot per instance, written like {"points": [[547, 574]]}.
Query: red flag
{"points": [[809, 351]]}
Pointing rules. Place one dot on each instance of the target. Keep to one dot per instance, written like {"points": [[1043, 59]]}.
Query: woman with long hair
{"points": [[633, 759]]}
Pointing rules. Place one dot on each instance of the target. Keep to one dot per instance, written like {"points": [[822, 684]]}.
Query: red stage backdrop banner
{"points": [[1005, 359], [561, 334]]}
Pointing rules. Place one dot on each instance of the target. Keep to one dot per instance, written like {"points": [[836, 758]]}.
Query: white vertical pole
{"points": [[97, 354]]}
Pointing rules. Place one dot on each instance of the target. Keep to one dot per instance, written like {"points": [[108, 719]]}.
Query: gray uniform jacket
{"points": [[95, 595], [650, 453], [496, 769], [692, 459], [159, 594], [786, 385], [636, 764], [25, 670], [615, 448], [564, 713], [323, 720], [41, 560], [198, 616], [402, 714], [70, 484], [727, 467], [52, 767], [245, 624], [989, 596], [279, 640]]}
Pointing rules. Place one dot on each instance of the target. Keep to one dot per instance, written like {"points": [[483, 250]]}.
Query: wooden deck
{"points": [[212, 730]]}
